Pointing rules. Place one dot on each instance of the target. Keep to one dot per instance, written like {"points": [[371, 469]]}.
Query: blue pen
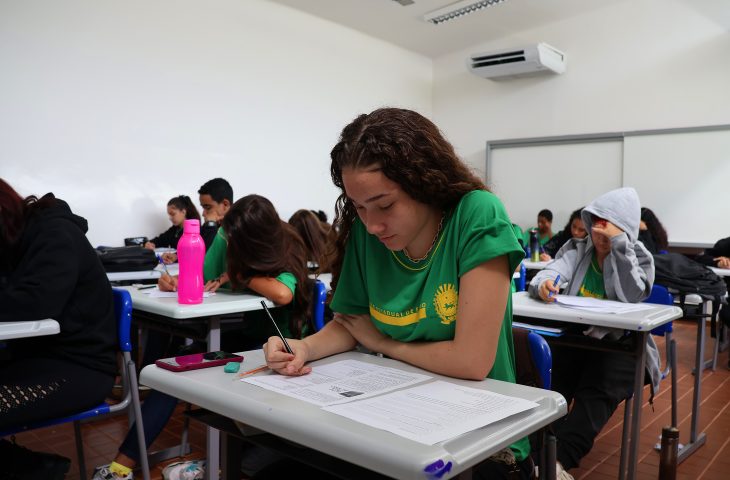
{"points": [[164, 267], [555, 284]]}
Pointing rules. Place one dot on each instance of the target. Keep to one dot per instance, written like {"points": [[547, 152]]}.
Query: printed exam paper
{"points": [[433, 412], [339, 382]]}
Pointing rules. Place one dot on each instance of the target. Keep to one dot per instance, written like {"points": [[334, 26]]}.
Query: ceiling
{"points": [[404, 25]]}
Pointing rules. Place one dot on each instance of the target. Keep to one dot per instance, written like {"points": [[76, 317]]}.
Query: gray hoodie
{"points": [[628, 270]]}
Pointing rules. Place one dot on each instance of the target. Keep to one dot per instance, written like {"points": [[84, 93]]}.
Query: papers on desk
{"points": [[599, 305], [433, 412], [157, 293], [428, 414], [339, 382]]}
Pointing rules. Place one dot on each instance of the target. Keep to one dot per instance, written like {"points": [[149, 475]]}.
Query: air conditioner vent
{"points": [[535, 59]]}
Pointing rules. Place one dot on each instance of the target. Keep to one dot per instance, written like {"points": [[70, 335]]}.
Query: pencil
{"points": [[278, 332], [255, 370]]}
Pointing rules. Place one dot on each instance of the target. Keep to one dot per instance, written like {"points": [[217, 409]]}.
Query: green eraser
{"points": [[232, 367]]}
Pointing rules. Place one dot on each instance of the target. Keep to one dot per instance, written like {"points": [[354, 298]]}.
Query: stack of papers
{"points": [[427, 414], [599, 305]]}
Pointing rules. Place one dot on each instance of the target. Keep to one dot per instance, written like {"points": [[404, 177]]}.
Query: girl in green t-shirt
{"points": [[423, 264]]}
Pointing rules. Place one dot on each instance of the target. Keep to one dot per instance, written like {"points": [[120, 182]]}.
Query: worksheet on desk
{"points": [[339, 382], [433, 412], [598, 305]]}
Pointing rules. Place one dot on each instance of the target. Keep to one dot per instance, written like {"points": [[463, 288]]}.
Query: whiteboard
{"points": [[560, 177], [683, 174], [685, 179]]}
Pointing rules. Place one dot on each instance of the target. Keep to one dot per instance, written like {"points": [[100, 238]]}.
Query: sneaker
{"points": [[103, 473], [561, 474], [191, 470]]}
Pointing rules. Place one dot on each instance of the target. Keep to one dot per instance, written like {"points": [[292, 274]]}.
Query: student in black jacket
{"points": [[179, 209], [717, 256], [48, 269]]}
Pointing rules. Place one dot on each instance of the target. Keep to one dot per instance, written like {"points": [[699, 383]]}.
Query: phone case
{"points": [[196, 361]]}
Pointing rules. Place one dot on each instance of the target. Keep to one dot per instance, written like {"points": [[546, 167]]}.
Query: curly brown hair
{"points": [[260, 244], [411, 151]]}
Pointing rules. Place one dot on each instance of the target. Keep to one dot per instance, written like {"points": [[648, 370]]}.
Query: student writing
{"points": [[424, 262], [609, 263]]}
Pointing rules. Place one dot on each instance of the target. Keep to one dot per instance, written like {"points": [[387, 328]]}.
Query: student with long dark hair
{"points": [[652, 233], [425, 255], [179, 209], [318, 239], [573, 229], [48, 269]]}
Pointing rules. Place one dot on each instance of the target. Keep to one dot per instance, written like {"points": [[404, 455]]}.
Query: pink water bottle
{"points": [[190, 256]]}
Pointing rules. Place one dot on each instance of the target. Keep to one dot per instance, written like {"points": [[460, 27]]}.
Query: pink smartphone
{"points": [[197, 360]]}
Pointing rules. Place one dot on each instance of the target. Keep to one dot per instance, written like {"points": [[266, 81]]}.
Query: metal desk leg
{"points": [[696, 441], [637, 402], [625, 439], [213, 436]]}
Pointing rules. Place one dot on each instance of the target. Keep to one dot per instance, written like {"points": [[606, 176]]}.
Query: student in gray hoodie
{"points": [[609, 263]]}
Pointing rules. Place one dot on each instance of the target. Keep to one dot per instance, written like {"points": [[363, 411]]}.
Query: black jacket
{"points": [[53, 272], [168, 238], [720, 249], [552, 246]]}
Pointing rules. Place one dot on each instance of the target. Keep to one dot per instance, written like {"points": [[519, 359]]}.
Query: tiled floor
{"points": [[711, 462]]}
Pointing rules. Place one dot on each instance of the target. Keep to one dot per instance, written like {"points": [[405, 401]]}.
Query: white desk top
{"points": [[534, 265], [346, 439], [222, 303], [643, 320], [143, 274], [722, 272], [33, 328]]}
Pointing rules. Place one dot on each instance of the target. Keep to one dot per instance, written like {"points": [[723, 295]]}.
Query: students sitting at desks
{"points": [[48, 269], [609, 263], [652, 233], [179, 209], [425, 255], [573, 229], [215, 197], [317, 238], [258, 252], [544, 227]]}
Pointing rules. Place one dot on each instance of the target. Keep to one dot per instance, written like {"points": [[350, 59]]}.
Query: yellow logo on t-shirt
{"points": [[446, 301]]}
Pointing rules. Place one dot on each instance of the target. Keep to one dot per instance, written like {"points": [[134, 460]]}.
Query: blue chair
{"points": [[318, 301], [540, 365], [130, 401]]}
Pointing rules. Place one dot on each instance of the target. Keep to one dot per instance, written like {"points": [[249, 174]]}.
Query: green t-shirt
{"points": [[415, 302], [256, 324], [593, 285]]}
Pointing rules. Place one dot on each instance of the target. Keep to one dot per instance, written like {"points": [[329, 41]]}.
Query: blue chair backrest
{"points": [[661, 296], [123, 314], [320, 296], [542, 357]]}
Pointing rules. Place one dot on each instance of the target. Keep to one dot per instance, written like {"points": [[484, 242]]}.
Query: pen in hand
{"points": [[164, 267], [278, 332], [555, 284]]}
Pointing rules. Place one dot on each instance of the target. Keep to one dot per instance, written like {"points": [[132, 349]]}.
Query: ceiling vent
{"points": [[532, 60]]}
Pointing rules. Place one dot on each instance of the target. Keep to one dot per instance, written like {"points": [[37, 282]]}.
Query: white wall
{"points": [[634, 65], [117, 106]]}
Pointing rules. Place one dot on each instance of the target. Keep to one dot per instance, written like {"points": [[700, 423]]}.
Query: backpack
{"points": [[127, 259], [686, 276]]}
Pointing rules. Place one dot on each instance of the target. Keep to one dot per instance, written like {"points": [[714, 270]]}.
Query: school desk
{"points": [[167, 314], [358, 445], [640, 322], [721, 272], [534, 265], [31, 328]]}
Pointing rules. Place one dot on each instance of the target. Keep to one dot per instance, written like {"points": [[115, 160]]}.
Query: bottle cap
{"points": [[191, 226]]}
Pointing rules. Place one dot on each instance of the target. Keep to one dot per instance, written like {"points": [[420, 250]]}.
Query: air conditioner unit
{"points": [[531, 60]]}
